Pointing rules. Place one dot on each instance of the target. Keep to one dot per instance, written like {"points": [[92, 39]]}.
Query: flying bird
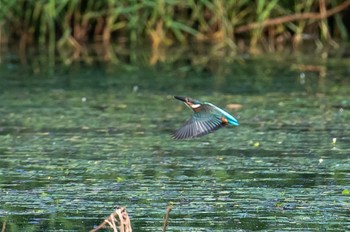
{"points": [[205, 119]]}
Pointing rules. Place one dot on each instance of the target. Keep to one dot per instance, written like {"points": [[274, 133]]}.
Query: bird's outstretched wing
{"points": [[201, 123]]}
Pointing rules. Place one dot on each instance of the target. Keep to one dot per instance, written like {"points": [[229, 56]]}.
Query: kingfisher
{"points": [[205, 119]]}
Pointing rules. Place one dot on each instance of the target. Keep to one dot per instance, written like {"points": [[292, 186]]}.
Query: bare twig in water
{"points": [[121, 216], [166, 216], [295, 17]]}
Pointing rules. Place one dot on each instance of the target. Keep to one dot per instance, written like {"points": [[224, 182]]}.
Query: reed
{"points": [[236, 24]]}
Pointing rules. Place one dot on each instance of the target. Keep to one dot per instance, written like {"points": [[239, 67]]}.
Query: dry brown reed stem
{"points": [[121, 216], [321, 70], [166, 217], [3, 227], [294, 17]]}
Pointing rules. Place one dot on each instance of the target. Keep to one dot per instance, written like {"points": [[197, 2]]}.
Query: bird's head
{"points": [[190, 102]]}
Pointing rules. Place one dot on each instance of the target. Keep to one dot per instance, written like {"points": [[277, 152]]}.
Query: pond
{"points": [[76, 141]]}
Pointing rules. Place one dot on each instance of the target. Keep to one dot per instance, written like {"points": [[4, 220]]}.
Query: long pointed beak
{"points": [[180, 98]]}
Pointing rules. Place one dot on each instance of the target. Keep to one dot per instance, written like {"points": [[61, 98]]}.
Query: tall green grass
{"points": [[236, 24]]}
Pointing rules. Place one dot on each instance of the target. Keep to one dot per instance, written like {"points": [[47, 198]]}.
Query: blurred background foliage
{"points": [[82, 29]]}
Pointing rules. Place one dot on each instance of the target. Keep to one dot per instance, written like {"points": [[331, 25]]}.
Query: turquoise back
{"points": [[231, 120]]}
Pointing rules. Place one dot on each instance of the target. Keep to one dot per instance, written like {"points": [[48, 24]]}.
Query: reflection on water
{"points": [[76, 144]]}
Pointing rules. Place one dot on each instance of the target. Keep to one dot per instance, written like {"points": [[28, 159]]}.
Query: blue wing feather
{"points": [[206, 119]]}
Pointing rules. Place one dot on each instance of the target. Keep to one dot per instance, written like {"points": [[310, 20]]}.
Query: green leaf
{"points": [[345, 192]]}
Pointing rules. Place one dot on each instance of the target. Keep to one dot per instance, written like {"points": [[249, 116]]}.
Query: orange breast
{"points": [[224, 120]]}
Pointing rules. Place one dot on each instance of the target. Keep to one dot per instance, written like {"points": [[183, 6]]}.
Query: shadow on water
{"points": [[76, 144]]}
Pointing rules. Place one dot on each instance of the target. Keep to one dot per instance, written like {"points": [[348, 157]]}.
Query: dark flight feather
{"points": [[201, 123]]}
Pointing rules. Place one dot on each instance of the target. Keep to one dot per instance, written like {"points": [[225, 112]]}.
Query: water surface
{"points": [[79, 140]]}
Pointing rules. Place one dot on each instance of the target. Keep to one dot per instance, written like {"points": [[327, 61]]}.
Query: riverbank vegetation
{"points": [[70, 28]]}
